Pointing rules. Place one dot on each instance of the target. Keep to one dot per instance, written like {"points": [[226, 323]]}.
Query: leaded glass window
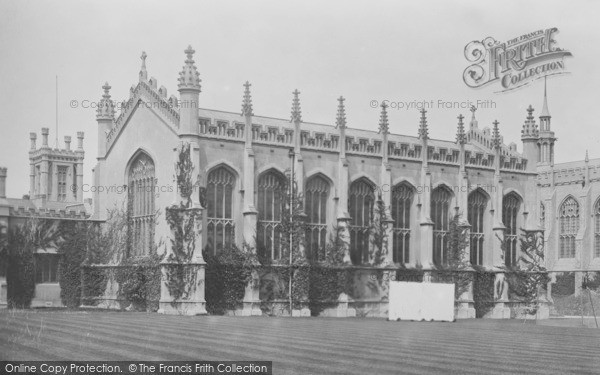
{"points": [[316, 198], [476, 205], [219, 206], [440, 215], [141, 208], [568, 227], [510, 210], [361, 200], [402, 197], [271, 202]]}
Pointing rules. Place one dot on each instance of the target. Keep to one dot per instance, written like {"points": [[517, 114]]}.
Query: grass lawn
{"points": [[302, 345]]}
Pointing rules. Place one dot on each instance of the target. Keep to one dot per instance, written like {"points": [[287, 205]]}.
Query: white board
{"points": [[421, 301]]}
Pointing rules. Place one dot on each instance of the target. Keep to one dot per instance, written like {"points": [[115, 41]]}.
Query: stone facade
{"points": [[240, 159]]}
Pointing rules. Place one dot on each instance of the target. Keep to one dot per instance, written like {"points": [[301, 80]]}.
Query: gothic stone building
{"points": [[54, 172], [242, 159]]}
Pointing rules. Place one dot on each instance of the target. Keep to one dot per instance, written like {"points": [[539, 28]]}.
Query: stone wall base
{"points": [[500, 311], [182, 308], [464, 310]]}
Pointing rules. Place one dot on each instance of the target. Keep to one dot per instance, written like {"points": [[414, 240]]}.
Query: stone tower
{"points": [[56, 175]]}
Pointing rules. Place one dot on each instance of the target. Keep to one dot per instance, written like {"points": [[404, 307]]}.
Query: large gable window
{"points": [[141, 207]]}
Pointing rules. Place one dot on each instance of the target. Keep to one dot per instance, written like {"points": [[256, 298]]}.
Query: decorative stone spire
{"points": [[247, 102], [143, 72], [461, 137], [587, 158], [340, 120], [423, 131], [106, 107], [545, 112], [189, 78], [296, 113], [473, 119], [496, 141], [384, 126], [530, 128]]}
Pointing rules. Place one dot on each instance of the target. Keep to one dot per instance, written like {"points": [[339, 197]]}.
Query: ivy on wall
{"points": [[227, 275], [184, 222], [530, 276], [457, 270]]}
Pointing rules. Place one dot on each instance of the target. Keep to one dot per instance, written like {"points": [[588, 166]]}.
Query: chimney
{"points": [[68, 142], [45, 132], [80, 140], [2, 182], [32, 137]]}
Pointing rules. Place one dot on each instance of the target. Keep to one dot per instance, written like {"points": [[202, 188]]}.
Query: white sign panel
{"points": [[421, 301]]}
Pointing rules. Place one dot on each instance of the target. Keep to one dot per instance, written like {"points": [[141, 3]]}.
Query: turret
{"points": [[530, 138], [105, 116], [189, 91], [546, 139]]}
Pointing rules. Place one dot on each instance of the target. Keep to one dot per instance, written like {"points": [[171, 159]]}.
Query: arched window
{"points": [[542, 215], [569, 225], [219, 206], [316, 196], [402, 197], [510, 211], [440, 214], [141, 208], [477, 203], [361, 200], [271, 201], [597, 229]]}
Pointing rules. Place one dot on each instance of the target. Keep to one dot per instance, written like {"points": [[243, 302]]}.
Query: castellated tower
{"points": [[56, 175]]}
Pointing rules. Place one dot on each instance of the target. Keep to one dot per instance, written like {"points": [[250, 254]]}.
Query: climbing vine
{"points": [[530, 276], [457, 270], [184, 222], [227, 275]]}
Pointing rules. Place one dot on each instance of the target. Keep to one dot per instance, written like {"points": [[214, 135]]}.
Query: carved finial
{"points": [[247, 101], [106, 107], [384, 126], [587, 158], [473, 119], [530, 129], [461, 137], [340, 120], [189, 78], [296, 113], [143, 72], [423, 131], [496, 135]]}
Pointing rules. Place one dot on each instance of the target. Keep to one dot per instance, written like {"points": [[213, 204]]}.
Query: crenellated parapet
{"points": [[49, 213]]}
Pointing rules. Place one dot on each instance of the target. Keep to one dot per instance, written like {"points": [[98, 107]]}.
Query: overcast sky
{"points": [[400, 51]]}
